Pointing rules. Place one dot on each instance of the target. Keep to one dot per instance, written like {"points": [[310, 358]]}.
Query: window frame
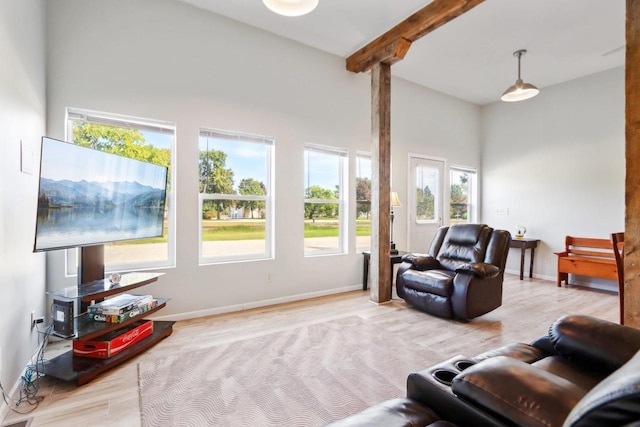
{"points": [[341, 202], [268, 198], [130, 122]]}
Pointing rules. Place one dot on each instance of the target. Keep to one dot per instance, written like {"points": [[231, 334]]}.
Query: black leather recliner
{"points": [[461, 276]]}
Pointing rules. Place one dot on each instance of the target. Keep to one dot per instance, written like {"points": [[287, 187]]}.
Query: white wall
{"points": [[22, 118], [166, 60], [557, 163]]}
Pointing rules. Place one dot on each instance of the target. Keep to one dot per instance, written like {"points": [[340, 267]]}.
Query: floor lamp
{"points": [[395, 202]]}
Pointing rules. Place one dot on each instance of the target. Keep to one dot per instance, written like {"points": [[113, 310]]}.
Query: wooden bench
{"points": [[586, 256]]}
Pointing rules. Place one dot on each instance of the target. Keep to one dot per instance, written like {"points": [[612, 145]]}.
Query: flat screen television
{"points": [[89, 197]]}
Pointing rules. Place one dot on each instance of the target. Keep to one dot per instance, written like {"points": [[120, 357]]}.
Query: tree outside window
{"points": [[250, 186]]}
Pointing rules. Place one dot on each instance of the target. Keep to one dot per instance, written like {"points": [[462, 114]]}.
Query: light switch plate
{"points": [[26, 157]]}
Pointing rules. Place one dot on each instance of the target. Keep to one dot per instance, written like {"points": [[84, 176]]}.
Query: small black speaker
{"points": [[63, 318]]}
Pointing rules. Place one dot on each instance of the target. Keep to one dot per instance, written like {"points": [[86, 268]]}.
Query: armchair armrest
{"points": [[517, 391], [601, 344], [421, 262], [479, 269]]}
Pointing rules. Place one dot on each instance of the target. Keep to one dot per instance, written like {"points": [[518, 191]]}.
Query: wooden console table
{"points": [[525, 243]]}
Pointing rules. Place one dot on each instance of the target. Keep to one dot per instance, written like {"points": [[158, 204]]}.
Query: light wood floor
{"points": [[529, 307]]}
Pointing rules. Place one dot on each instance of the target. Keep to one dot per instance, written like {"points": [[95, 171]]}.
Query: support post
{"points": [[381, 174], [632, 153]]}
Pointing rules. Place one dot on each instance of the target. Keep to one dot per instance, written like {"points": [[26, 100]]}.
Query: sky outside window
{"points": [[245, 159], [321, 169]]}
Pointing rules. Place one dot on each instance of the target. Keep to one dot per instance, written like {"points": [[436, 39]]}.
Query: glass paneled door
{"points": [[425, 201]]}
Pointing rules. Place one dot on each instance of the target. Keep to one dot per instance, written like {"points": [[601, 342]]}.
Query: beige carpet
{"points": [[306, 376]]}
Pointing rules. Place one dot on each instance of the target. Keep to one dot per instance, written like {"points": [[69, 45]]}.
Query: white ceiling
{"points": [[471, 57]]}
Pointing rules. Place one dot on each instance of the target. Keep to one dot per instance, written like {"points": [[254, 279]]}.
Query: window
{"points": [[462, 202], [143, 139], [236, 197], [324, 200], [363, 202], [427, 184]]}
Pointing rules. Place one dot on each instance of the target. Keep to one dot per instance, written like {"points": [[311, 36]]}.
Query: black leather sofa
{"points": [[461, 276], [584, 372]]}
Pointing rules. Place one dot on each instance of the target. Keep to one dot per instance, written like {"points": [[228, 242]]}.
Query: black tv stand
{"points": [[69, 367]]}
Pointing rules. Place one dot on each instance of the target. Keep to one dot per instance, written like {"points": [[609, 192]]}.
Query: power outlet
{"points": [[35, 320], [502, 211]]}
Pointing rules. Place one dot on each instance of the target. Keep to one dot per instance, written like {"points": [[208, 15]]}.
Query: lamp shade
{"points": [[395, 200], [519, 92], [291, 7]]}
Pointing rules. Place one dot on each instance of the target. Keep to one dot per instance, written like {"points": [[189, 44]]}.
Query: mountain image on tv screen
{"points": [[89, 197]]}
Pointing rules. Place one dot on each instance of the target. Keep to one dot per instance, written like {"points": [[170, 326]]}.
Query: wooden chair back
{"points": [[617, 241]]}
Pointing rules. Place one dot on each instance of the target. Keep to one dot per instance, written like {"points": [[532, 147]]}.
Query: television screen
{"points": [[88, 197]]}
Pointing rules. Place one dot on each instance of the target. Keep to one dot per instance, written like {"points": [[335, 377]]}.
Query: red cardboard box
{"points": [[114, 342]]}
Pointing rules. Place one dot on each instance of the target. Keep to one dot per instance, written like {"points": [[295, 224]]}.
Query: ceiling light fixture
{"points": [[291, 7], [521, 90]]}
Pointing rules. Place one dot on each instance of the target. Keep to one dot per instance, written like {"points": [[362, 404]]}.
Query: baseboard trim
{"points": [[535, 276], [255, 304], [582, 283]]}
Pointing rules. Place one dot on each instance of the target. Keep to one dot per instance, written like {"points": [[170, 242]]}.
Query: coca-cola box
{"points": [[110, 344]]}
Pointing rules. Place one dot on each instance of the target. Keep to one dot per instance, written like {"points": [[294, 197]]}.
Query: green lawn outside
{"points": [[162, 239], [220, 230], [363, 227], [213, 230]]}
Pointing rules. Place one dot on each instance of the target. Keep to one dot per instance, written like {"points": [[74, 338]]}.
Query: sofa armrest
{"points": [[479, 269], [517, 392], [601, 344], [421, 262], [400, 412]]}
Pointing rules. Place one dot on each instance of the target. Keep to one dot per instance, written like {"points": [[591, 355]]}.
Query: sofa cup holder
{"points": [[461, 365], [444, 376]]}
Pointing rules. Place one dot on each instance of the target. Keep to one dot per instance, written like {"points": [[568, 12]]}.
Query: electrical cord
{"points": [[29, 389]]}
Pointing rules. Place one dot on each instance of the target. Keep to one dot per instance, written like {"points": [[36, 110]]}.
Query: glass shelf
{"points": [[104, 288]]}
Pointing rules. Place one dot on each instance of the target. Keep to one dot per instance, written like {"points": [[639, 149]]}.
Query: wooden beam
{"points": [[380, 179], [389, 54], [393, 45], [632, 154]]}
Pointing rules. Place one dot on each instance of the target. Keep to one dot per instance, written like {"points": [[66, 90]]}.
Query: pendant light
{"points": [[521, 90], [291, 7]]}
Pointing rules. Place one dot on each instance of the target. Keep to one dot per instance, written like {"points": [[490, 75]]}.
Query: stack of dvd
{"points": [[120, 308]]}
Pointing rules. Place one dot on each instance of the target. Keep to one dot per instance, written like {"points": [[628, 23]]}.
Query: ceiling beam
{"points": [[393, 45]]}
